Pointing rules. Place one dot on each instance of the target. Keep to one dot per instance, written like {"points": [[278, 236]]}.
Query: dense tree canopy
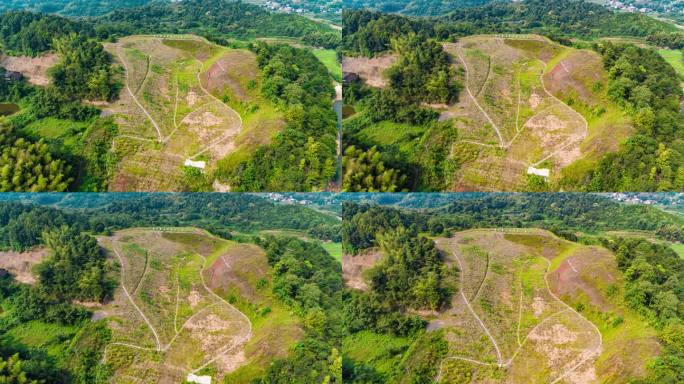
{"points": [[30, 166], [302, 157], [645, 85], [76, 268]]}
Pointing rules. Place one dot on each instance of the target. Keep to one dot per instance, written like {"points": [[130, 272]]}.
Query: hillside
{"points": [[70, 7], [150, 300], [493, 108], [415, 7], [162, 98], [429, 301]]}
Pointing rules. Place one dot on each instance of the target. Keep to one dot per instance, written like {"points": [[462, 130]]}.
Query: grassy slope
{"points": [[675, 58], [329, 58], [627, 346]]}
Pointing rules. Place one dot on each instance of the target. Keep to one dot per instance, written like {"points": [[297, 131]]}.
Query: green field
{"points": [[679, 248], [329, 58], [675, 58]]}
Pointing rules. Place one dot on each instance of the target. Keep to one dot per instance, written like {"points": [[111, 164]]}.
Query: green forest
{"points": [[416, 7], [303, 156], [71, 7]]}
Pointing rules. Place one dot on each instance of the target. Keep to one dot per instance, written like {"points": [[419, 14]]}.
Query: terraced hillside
{"points": [[529, 308], [187, 103], [192, 304], [529, 107]]}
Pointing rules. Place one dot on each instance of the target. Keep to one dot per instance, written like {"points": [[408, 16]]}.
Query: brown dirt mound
{"points": [[369, 70], [33, 68], [354, 266], [20, 264], [575, 274], [575, 74], [235, 268]]}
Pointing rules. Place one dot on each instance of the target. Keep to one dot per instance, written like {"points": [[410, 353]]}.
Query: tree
{"points": [[11, 371]]}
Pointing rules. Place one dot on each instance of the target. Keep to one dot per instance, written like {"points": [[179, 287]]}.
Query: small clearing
{"points": [[370, 70], [20, 264], [34, 69], [353, 267]]}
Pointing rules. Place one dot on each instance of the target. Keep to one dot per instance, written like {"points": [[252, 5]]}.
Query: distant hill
{"points": [[415, 7], [70, 7]]}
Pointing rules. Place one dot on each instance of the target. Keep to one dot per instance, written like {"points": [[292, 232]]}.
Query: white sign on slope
{"points": [[192, 378], [544, 172], [195, 164]]}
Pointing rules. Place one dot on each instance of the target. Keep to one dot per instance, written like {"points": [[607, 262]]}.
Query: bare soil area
{"points": [[20, 264], [369, 70], [33, 68], [233, 71], [353, 267]]}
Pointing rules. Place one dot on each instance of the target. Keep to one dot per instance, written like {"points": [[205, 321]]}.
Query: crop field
{"points": [[184, 99], [516, 317], [191, 303]]}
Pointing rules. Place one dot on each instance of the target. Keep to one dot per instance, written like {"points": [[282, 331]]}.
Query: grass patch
{"points": [[329, 58], [387, 133], [679, 248], [383, 352], [333, 249], [675, 58]]}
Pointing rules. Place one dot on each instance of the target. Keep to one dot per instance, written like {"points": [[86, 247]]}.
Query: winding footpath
{"points": [[519, 129], [595, 352], [135, 99], [484, 113], [160, 137], [237, 341]]}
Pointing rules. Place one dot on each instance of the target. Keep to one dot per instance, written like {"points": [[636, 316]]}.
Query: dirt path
{"points": [[241, 340], [130, 298], [597, 351], [482, 324], [130, 92], [137, 284], [484, 113], [224, 137], [235, 342], [484, 278], [519, 130], [147, 72], [489, 73], [584, 121]]}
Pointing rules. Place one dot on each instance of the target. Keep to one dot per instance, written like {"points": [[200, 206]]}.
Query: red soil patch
{"points": [[577, 273], [20, 264], [575, 74], [354, 266], [232, 71], [235, 268]]}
